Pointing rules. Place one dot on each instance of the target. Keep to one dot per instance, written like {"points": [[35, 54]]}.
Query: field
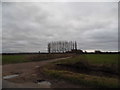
{"points": [[7, 59], [89, 70], [95, 59], [10, 59], [102, 58], [91, 58]]}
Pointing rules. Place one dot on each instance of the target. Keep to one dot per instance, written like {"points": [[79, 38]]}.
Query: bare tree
{"points": [[49, 48], [75, 45], [61, 46]]}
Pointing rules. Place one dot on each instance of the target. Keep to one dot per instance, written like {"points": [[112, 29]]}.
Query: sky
{"points": [[29, 26]]}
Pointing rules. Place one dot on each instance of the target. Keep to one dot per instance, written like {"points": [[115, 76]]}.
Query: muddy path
{"points": [[25, 67], [27, 75]]}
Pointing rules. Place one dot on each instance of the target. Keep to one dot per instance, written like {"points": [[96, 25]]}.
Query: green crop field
{"points": [[107, 59], [9, 59], [91, 58], [102, 58]]}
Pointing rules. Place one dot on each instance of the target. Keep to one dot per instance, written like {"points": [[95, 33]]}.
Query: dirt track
{"points": [[27, 75], [23, 68]]}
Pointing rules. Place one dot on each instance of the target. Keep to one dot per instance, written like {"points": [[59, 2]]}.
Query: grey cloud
{"points": [[30, 26]]}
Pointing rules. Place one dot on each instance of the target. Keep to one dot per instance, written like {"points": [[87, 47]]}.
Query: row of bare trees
{"points": [[61, 46]]}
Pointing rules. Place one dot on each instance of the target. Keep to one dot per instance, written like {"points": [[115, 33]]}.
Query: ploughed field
{"points": [[88, 70]]}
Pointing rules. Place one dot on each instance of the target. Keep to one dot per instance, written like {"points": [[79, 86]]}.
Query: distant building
{"points": [[98, 51], [77, 51]]}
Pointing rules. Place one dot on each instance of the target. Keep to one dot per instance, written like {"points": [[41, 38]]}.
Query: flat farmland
{"points": [[98, 59], [21, 58], [102, 58], [90, 70], [82, 70]]}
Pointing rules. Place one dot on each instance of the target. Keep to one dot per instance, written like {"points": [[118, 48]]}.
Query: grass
{"points": [[102, 58], [10, 59], [74, 77], [83, 79], [111, 59], [104, 61], [98, 59], [7, 59]]}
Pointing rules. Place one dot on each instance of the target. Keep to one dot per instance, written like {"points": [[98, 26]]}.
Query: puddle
{"points": [[10, 76], [44, 83]]}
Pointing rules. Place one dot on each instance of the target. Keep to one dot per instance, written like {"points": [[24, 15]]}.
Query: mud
{"points": [[28, 76]]}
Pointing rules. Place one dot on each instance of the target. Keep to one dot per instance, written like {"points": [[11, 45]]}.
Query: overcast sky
{"points": [[30, 26]]}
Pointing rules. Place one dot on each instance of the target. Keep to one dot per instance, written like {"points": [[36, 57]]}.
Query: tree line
{"points": [[61, 46]]}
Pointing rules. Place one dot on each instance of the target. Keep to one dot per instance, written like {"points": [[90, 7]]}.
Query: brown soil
{"points": [[28, 75]]}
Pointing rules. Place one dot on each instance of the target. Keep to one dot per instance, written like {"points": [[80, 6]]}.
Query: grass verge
{"points": [[83, 79], [103, 63]]}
